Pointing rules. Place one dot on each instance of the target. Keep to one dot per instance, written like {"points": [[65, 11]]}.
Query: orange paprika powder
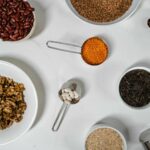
{"points": [[94, 51]]}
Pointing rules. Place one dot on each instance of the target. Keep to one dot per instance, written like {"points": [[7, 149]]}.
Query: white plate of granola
{"points": [[18, 102]]}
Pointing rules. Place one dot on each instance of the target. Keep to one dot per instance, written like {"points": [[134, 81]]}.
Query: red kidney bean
{"points": [[16, 19]]}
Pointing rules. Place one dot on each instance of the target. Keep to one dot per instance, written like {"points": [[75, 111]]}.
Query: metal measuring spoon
{"points": [[145, 139], [94, 51], [73, 85]]}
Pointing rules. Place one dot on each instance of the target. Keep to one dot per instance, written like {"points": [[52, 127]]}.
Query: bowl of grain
{"points": [[104, 136], [102, 12]]}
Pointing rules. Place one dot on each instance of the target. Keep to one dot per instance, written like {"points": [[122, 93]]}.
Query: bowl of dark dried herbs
{"points": [[103, 12], [134, 87]]}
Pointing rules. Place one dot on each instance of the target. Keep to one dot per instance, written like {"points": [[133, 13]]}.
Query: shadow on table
{"points": [[40, 16], [36, 81], [116, 123]]}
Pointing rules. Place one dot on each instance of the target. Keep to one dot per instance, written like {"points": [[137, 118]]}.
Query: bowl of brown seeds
{"points": [[17, 20], [102, 137], [103, 12]]}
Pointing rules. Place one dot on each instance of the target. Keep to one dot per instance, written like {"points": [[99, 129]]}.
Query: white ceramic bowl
{"points": [[18, 129], [132, 9], [133, 68], [115, 127]]}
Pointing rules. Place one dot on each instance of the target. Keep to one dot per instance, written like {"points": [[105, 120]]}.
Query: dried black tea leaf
{"points": [[134, 88]]}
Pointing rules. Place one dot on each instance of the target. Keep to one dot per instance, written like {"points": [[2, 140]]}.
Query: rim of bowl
{"points": [[36, 106], [127, 71], [102, 126], [124, 17], [31, 31]]}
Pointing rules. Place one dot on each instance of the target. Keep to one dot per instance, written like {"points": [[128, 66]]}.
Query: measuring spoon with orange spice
{"points": [[94, 50]]}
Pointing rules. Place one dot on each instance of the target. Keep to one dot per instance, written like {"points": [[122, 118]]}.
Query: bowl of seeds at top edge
{"points": [[17, 20], [134, 87], [103, 12]]}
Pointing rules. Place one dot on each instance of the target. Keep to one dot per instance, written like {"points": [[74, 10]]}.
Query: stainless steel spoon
{"points": [[145, 139], [74, 85]]}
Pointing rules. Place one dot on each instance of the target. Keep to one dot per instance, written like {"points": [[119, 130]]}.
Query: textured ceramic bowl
{"points": [[132, 9]]}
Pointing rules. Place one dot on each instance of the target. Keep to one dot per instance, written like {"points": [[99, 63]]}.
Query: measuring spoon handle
{"points": [[60, 117], [56, 45]]}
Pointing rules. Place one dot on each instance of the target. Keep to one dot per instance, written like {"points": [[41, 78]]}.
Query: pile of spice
{"points": [[94, 51], [12, 104], [135, 88], [16, 19], [101, 10], [104, 139]]}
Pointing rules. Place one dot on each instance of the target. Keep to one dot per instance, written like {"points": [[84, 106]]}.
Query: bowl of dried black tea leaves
{"points": [[134, 87]]}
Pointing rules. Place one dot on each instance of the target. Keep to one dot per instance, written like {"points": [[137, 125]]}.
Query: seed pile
{"points": [[12, 104], [135, 88], [16, 19], [69, 95], [104, 139], [101, 10]]}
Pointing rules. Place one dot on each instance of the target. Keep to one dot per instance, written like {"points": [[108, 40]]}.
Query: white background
{"points": [[129, 46]]}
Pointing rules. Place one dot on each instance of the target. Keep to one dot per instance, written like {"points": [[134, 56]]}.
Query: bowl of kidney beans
{"points": [[17, 20]]}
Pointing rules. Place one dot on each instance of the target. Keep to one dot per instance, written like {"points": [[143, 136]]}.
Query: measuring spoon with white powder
{"points": [[70, 93]]}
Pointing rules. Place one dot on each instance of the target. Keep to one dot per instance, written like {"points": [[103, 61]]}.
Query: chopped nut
{"points": [[1, 89], [12, 104], [7, 110]]}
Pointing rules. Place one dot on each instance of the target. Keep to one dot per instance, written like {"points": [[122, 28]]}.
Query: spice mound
{"points": [[101, 10], [104, 139], [12, 104], [94, 51], [135, 88], [16, 19]]}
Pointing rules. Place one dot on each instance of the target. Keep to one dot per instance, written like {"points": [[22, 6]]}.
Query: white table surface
{"points": [[129, 45]]}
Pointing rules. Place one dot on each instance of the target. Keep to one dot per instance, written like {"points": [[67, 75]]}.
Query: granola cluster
{"points": [[12, 104]]}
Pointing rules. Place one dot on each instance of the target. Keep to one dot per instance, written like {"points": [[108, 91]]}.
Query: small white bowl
{"points": [[133, 68], [132, 9], [116, 127]]}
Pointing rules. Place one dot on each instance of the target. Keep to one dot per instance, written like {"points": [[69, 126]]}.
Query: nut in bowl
{"points": [[17, 20], [103, 12], [18, 104]]}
